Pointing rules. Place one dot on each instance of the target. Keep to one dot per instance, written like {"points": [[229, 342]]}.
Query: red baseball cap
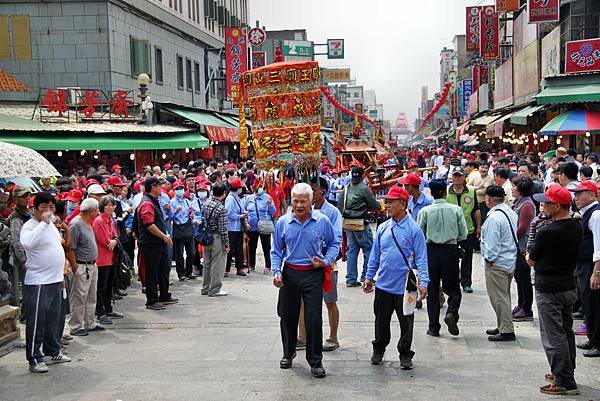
{"points": [[411, 179], [555, 194], [75, 195], [412, 164], [167, 166], [232, 166], [178, 184], [202, 185], [235, 183], [115, 167], [397, 192], [115, 181], [586, 185]]}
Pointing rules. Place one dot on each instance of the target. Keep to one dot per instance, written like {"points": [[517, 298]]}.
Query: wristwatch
{"points": [[597, 272]]}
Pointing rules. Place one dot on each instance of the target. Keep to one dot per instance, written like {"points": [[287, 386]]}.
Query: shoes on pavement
{"points": [[117, 297], [492, 332], [221, 293], [267, 270], [353, 284], [156, 306], [586, 345], [60, 358], [183, 279], [318, 372], [516, 310], [114, 315], [503, 337], [450, 321], [433, 333], [38, 368], [549, 377], [67, 337], [522, 316], [581, 330], [170, 301], [406, 363], [578, 316], [226, 274], [97, 328], [592, 353], [376, 358], [63, 342], [191, 277], [286, 363], [79, 332], [241, 273], [419, 304], [558, 390], [467, 289], [300, 345], [203, 292], [330, 345], [104, 319]]}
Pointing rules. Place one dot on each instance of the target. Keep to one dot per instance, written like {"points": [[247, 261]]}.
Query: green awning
{"points": [[202, 117], [520, 117], [570, 94], [485, 120], [178, 140]]}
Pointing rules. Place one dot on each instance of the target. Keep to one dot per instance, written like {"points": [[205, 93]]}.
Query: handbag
{"points": [[351, 221], [183, 231], [265, 227], [520, 256], [411, 289]]}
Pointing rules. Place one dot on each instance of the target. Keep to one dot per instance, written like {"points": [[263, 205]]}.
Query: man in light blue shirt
{"points": [[236, 216], [417, 199], [398, 241], [183, 232], [304, 244], [499, 257]]}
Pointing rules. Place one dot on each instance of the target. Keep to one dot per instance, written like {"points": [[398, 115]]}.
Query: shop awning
{"points": [[202, 117], [520, 117], [181, 140], [495, 129], [222, 134], [570, 94], [484, 120]]}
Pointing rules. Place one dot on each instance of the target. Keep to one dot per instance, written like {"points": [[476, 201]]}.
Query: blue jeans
{"points": [[358, 240]]}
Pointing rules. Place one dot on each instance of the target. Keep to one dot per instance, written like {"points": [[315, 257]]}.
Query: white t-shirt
{"points": [[45, 255]]}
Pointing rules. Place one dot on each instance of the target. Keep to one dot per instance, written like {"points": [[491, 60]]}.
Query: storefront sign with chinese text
{"points": [[582, 56], [257, 36], [503, 6], [473, 25], [543, 11], [490, 47], [258, 59], [336, 74], [236, 60]]}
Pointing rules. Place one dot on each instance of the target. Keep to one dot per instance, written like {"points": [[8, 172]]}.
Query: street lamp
{"points": [[143, 81]]}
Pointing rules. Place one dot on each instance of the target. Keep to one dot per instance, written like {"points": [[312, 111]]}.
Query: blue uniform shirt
{"points": [[163, 199], [235, 211], [296, 243], [414, 207], [335, 218], [182, 216], [388, 263], [261, 204]]}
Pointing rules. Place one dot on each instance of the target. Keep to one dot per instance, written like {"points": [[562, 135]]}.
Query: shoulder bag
{"points": [[520, 256], [350, 222], [265, 227], [411, 288]]}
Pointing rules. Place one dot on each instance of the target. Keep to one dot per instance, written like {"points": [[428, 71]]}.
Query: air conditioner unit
{"points": [[74, 94]]}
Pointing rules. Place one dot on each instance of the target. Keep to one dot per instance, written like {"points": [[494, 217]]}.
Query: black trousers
{"points": [[308, 287], [443, 265], [106, 278], [590, 301], [157, 272], [236, 242], [524, 286], [466, 263], [265, 242], [197, 262], [42, 317], [384, 306], [64, 308], [179, 245]]}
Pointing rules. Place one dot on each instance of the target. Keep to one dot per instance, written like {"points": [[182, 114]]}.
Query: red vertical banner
{"points": [[480, 76], [258, 59], [503, 6], [490, 45], [543, 11], [236, 59], [473, 26]]}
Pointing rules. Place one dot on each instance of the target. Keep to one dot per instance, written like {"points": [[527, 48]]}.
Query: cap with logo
{"points": [[235, 184], [75, 195], [115, 181]]}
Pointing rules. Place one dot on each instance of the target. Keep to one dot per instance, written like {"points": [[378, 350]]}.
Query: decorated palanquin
{"points": [[284, 103]]}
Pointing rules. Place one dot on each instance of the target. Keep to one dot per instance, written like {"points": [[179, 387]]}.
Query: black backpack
{"points": [[125, 271], [204, 235]]}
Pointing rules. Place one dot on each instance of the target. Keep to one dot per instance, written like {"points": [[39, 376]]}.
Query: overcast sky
{"points": [[392, 46]]}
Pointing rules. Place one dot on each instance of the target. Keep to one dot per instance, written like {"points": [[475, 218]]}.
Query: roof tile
{"points": [[8, 83]]}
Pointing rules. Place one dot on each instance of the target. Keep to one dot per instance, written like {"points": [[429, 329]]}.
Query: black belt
{"points": [[433, 244], [82, 262]]}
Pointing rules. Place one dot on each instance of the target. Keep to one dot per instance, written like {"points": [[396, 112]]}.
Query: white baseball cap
{"points": [[96, 189]]}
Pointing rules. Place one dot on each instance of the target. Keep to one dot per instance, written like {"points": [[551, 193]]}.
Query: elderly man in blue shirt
{"points": [[183, 233], [304, 247], [261, 208], [399, 241], [236, 219], [499, 257]]}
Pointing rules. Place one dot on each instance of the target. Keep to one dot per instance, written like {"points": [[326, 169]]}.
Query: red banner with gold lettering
{"points": [[236, 59], [473, 24], [543, 11], [490, 45]]}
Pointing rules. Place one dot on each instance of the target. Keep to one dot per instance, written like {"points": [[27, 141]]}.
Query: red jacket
{"points": [[104, 230]]}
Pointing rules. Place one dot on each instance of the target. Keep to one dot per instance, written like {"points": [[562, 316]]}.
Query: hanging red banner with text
{"points": [[582, 56], [473, 24], [236, 59], [503, 6], [258, 59], [543, 11], [490, 46]]}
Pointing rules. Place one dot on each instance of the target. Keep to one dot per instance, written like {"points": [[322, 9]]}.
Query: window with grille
{"points": [[179, 72], [140, 57], [158, 60]]}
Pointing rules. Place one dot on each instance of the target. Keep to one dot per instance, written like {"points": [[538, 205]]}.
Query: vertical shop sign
{"points": [[490, 46], [236, 59], [473, 25]]}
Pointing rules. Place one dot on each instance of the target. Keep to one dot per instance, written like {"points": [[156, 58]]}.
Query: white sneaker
{"points": [[38, 368], [219, 294], [60, 358]]}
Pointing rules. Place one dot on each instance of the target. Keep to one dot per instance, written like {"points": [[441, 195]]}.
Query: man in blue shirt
{"points": [[183, 233], [301, 269], [236, 219], [398, 241], [417, 199]]}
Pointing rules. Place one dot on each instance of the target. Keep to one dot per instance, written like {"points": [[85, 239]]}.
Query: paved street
{"points": [[229, 349]]}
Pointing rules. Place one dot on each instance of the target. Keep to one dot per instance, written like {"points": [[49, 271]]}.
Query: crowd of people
{"points": [[534, 221]]}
